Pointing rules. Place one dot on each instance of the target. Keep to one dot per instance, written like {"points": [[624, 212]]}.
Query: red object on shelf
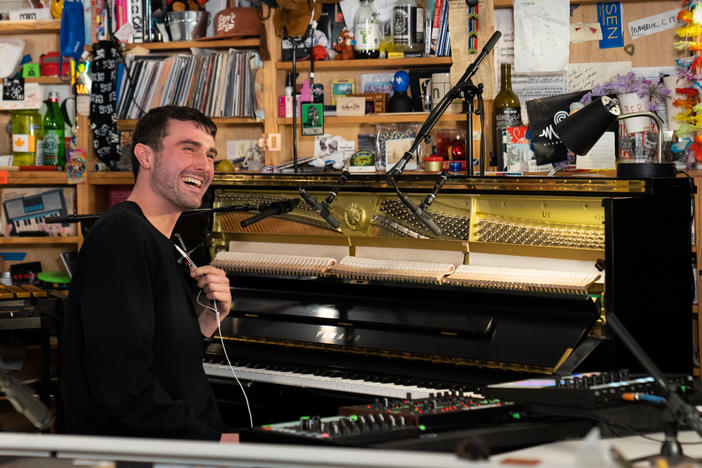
{"points": [[49, 64]]}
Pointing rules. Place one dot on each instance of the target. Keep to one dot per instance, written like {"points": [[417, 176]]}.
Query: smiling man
{"points": [[132, 337]]}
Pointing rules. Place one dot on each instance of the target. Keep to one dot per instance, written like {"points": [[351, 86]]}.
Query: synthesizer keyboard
{"points": [[589, 390]]}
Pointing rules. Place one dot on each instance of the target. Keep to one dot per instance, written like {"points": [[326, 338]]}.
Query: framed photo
{"points": [[312, 118], [420, 85], [375, 102]]}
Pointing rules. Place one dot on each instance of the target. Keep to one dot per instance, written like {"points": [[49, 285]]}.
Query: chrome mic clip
{"points": [[270, 209], [429, 199], [323, 208]]}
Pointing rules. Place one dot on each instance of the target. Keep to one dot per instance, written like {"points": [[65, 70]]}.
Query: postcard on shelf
{"points": [[328, 144], [312, 118], [395, 149], [341, 88], [377, 83], [350, 105], [238, 149], [24, 210], [17, 94]]}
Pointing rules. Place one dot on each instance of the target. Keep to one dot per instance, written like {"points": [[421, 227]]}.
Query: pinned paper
{"points": [[581, 32], [601, 156], [654, 24], [586, 75], [541, 35], [609, 15]]}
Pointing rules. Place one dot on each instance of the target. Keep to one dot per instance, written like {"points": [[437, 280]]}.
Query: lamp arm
{"points": [[659, 124]]}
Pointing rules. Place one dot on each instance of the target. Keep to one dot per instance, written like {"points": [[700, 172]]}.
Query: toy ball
{"points": [[401, 81]]}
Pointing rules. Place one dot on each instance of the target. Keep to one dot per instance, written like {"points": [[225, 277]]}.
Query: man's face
{"points": [[184, 168]]}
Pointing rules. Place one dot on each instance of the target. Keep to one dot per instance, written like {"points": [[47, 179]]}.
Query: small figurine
{"points": [[344, 45], [400, 101]]}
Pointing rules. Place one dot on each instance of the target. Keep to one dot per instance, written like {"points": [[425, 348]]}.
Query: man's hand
{"points": [[215, 286]]}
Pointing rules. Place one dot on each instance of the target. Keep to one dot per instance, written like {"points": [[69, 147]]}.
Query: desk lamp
{"points": [[580, 131]]}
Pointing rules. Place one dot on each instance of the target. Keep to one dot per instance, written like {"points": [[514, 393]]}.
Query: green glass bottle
{"points": [[54, 143], [26, 136], [508, 113]]}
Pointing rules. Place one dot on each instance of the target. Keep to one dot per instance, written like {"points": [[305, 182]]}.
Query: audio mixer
{"points": [[353, 430], [445, 409]]}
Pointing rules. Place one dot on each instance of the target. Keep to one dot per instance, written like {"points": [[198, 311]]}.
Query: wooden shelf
{"points": [[210, 44], [30, 27], [111, 178], [414, 62], [36, 177], [129, 124], [47, 80], [380, 118], [43, 240]]}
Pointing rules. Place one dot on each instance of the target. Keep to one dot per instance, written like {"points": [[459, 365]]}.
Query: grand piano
{"points": [[519, 283]]}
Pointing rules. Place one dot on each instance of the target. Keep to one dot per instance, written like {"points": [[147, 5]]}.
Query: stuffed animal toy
{"points": [[344, 45], [295, 15]]}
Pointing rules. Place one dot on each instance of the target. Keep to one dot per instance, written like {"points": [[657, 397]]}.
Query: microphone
{"points": [[420, 213], [24, 402], [431, 196], [271, 209], [489, 45], [320, 208]]}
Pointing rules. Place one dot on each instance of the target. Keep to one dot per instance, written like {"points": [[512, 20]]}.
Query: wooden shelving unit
{"points": [[38, 240], [129, 124], [30, 27], [111, 178], [36, 177], [198, 44], [414, 62], [380, 118]]}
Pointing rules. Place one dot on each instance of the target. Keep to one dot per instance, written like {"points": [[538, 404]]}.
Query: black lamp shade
{"points": [[581, 130]]}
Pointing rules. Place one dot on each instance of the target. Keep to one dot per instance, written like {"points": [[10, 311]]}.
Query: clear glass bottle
{"points": [[54, 143], [508, 113], [408, 27], [26, 136], [367, 31]]}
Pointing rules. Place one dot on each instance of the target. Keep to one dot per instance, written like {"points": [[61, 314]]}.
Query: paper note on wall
{"points": [[654, 24], [541, 36], [586, 75], [601, 156]]}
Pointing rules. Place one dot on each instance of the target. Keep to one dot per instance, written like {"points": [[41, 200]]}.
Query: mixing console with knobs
{"points": [[445, 409], [353, 430]]}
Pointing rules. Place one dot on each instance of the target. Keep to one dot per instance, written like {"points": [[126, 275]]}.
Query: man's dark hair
{"points": [[152, 128]]}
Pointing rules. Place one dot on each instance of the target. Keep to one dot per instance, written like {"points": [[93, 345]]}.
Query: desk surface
{"points": [[187, 453]]}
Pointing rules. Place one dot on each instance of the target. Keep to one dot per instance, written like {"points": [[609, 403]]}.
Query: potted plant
{"points": [[635, 94]]}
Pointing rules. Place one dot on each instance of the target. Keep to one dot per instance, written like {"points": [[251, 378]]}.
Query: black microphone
{"points": [[320, 208], [429, 199], [420, 213], [24, 402], [489, 45], [271, 209]]}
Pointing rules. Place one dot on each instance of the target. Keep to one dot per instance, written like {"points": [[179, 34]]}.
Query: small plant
{"points": [[630, 83]]}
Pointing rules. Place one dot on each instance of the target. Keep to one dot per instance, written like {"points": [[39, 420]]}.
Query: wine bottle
{"points": [[508, 113]]}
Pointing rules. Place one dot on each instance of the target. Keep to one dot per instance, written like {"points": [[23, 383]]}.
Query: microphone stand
{"points": [[295, 44], [465, 89], [682, 411]]}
